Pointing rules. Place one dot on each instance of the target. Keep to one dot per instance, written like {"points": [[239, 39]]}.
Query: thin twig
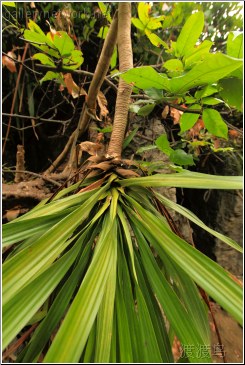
{"points": [[78, 72], [36, 118], [34, 174]]}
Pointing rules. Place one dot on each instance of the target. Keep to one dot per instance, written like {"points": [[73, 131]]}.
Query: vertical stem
{"points": [[124, 89]]}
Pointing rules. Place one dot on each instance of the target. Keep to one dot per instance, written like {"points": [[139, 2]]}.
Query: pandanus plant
{"points": [[99, 270]]}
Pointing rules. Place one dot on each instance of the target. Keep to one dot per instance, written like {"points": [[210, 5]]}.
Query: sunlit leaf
{"points": [[214, 123]]}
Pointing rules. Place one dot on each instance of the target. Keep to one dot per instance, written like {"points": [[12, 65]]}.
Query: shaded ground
{"points": [[232, 338]]}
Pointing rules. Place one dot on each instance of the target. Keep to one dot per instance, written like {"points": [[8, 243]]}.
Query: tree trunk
{"points": [[124, 89]]}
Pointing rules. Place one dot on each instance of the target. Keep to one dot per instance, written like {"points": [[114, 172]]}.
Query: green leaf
{"points": [[192, 217], [103, 32], [34, 27], [138, 23], [187, 121], [50, 75], [186, 179], [76, 57], [198, 53], [9, 3], [180, 157], [21, 308], [146, 148], [235, 44], [154, 94], [39, 38], [105, 11], [189, 34], [174, 65], [155, 40], [163, 144], [146, 77], [146, 110], [211, 101], [63, 43], [143, 12], [232, 92], [154, 23], [71, 338], [129, 138], [206, 91], [44, 59], [214, 123], [213, 68]]}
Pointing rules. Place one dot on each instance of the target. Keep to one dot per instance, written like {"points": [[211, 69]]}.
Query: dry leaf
{"points": [[126, 173], [175, 114], [195, 130], [165, 112], [102, 104], [53, 31], [32, 5], [11, 214], [72, 87], [92, 148], [10, 64]]}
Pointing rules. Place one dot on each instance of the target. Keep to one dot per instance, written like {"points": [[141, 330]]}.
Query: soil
{"points": [[231, 336]]}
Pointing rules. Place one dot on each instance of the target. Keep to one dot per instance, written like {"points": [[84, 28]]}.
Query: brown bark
{"points": [[124, 89], [89, 109]]}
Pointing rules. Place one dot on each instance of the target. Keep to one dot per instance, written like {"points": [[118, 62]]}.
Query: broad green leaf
{"points": [[198, 53], [174, 66], [138, 23], [232, 92], [50, 75], [191, 216], [189, 34], [186, 179], [214, 123], [21, 308], [105, 11], [75, 58], [206, 91], [180, 157], [154, 23], [103, 32], [146, 110], [38, 38], [187, 121], [34, 27], [71, 338], [163, 144], [44, 59], [235, 44], [213, 68], [146, 77], [211, 101], [154, 94], [143, 12], [63, 43], [9, 3], [155, 40]]}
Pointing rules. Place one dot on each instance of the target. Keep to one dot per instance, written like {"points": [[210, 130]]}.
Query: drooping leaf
{"points": [[163, 144], [213, 68], [180, 157], [198, 53], [146, 77], [44, 59], [138, 23], [232, 92], [187, 121], [214, 123], [189, 34], [63, 43], [235, 44]]}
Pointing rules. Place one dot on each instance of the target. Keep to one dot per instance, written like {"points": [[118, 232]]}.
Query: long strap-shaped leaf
{"points": [[205, 272], [187, 179], [71, 338], [18, 311]]}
